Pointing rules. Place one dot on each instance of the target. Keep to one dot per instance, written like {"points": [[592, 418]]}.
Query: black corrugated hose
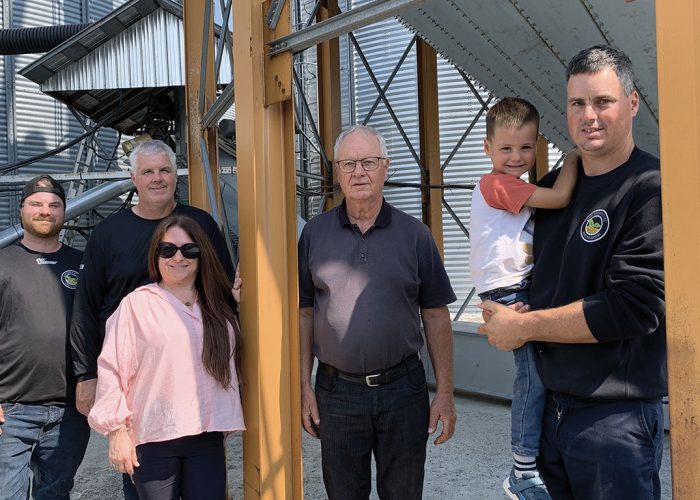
{"points": [[36, 40]]}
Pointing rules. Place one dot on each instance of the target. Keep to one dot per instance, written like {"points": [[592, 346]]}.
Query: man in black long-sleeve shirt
{"points": [[598, 299], [115, 261]]}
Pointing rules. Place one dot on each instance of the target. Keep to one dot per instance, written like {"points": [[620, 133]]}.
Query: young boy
{"points": [[501, 260]]}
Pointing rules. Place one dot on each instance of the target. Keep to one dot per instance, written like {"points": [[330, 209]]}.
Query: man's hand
{"points": [[237, 284], [122, 452], [309, 411], [519, 307], [503, 326], [2, 418], [443, 409], [85, 395]]}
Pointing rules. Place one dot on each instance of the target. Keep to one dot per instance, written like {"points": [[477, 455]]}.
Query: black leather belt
{"points": [[377, 378]]}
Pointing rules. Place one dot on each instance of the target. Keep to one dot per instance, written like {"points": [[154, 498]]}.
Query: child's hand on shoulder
{"points": [[572, 157]]}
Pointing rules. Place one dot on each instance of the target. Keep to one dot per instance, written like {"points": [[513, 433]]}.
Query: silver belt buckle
{"points": [[368, 380]]}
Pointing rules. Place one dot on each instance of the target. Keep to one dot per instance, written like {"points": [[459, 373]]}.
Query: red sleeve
{"points": [[505, 192]]}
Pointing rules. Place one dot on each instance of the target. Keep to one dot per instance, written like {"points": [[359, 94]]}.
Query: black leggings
{"points": [[190, 467]]}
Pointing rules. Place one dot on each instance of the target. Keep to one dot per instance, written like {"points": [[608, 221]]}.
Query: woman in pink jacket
{"points": [[167, 389]]}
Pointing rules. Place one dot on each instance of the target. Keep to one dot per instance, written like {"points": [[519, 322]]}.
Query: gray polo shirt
{"points": [[367, 289]]}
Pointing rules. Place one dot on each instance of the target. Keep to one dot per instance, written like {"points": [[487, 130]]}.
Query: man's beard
{"points": [[38, 228]]}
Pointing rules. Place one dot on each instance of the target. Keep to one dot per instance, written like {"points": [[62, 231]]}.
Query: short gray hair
{"points": [[360, 129], [150, 148], [600, 57]]}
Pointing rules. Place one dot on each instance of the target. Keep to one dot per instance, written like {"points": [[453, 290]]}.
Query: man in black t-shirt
{"points": [[598, 299], [40, 428]]}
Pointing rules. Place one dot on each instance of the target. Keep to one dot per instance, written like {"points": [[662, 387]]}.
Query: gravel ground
{"points": [[470, 466]]}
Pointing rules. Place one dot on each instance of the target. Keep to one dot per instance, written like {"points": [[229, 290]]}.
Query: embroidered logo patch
{"points": [[595, 226], [70, 279]]}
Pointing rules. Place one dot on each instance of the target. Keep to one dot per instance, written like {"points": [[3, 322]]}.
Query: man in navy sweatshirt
{"points": [[597, 298]]}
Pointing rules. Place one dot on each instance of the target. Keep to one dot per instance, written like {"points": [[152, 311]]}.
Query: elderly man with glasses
{"points": [[368, 274]]}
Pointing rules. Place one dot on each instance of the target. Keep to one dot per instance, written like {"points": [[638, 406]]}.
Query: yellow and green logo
{"points": [[595, 226], [69, 279]]}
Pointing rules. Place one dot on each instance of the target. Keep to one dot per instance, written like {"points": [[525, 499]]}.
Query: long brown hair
{"points": [[215, 299]]}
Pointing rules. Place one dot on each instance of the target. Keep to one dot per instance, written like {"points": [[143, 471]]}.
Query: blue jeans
{"points": [[50, 440], [529, 392], [598, 449], [390, 421]]}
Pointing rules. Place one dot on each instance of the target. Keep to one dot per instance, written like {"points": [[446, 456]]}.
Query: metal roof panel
{"points": [[521, 47], [126, 15]]}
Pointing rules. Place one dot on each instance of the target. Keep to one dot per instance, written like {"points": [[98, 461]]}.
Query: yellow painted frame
{"points": [[429, 134], [678, 66], [267, 222], [193, 22]]}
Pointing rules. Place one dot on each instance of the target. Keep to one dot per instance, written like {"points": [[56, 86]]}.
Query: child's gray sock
{"points": [[523, 464]]}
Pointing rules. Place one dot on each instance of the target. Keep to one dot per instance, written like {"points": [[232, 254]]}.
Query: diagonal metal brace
{"points": [[340, 24], [205, 54], [220, 106], [274, 13], [210, 182]]}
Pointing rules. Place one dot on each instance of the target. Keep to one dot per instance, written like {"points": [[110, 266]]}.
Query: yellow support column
{"points": [[429, 133], [678, 56], [267, 221], [193, 26], [541, 159], [329, 119]]}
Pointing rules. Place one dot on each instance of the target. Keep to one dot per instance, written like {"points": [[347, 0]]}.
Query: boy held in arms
{"points": [[501, 261]]}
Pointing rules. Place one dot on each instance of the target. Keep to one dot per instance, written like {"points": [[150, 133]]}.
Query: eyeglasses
{"points": [[168, 250], [368, 164]]}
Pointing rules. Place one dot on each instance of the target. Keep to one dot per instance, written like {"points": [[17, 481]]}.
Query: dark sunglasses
{"points": [[188, 250]]}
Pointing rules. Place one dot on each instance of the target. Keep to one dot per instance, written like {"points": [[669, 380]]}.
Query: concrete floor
{"points": [[470, 466]]}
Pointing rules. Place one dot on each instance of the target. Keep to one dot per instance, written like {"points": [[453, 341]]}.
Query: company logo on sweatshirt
{"points": [[69, 279], [44, 262], [595, 226]]}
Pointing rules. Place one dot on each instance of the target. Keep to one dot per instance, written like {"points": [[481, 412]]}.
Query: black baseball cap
{"points": [[33, 186]]}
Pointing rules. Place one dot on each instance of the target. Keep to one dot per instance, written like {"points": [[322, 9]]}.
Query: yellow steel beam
{"points": [[194, 25], [329, 126], [678, 56], [429, 134], [541, 159], [278, 70], [267, 221]]}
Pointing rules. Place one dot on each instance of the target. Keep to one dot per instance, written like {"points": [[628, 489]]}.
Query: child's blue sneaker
{"points": [[529, 487]]}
